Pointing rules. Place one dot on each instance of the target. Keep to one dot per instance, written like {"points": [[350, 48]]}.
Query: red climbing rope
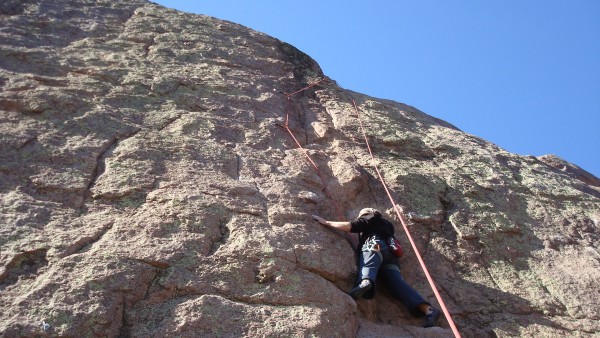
{"points": [[351, 239], [412, 243], [305, 88]]}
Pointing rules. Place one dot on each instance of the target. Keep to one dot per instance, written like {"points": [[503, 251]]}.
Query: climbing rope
{"points": [[412, 242], [352, 240]]}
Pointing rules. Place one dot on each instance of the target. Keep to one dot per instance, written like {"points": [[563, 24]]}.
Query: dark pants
{"points": [[384, 264]]}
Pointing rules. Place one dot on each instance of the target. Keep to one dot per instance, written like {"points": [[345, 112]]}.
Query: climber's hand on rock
{"points": [[320, 219]]}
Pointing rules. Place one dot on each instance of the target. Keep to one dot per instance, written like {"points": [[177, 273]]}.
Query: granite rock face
{"points": [[147, 188]]}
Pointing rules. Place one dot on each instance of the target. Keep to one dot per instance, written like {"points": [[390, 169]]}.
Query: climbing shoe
{"points": [[432, 318], [360, 290]]}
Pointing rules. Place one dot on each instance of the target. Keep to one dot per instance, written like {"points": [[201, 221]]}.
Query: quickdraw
{"points": [[372, 245]]}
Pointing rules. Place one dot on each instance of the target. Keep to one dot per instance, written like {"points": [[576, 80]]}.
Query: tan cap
{"points": [[368, 211]]}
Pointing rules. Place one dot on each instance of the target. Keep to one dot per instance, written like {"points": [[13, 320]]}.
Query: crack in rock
{"points": [[153, 263], [100, 166], [85, 242], [224, 230], [124, 327]]}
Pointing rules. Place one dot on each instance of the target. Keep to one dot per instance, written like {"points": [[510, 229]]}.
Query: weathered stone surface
{"points": [[571, 169], [147, 188]]}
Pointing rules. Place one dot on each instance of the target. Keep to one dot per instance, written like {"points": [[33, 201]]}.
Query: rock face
{"points": [[148, 189]]}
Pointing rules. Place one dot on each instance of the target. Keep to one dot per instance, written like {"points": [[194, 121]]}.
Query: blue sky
{"points": [[524, 75]]}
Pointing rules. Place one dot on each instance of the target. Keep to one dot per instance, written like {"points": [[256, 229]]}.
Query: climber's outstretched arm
{"points": [[344, 226]]}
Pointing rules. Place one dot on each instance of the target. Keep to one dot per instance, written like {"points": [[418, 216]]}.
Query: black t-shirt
{"points": [[375, 226]]}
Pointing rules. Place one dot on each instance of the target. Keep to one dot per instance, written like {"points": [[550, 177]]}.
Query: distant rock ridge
{"points": [[570, 169], [148, 189]]}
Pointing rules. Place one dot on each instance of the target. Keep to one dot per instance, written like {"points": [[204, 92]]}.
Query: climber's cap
{"points": [[368, 213]]}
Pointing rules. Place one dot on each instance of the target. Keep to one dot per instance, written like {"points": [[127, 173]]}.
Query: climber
{"points": [[377, 258]]}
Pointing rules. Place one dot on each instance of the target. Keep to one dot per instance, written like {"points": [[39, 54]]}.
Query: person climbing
{"points": [[376, 258]]}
